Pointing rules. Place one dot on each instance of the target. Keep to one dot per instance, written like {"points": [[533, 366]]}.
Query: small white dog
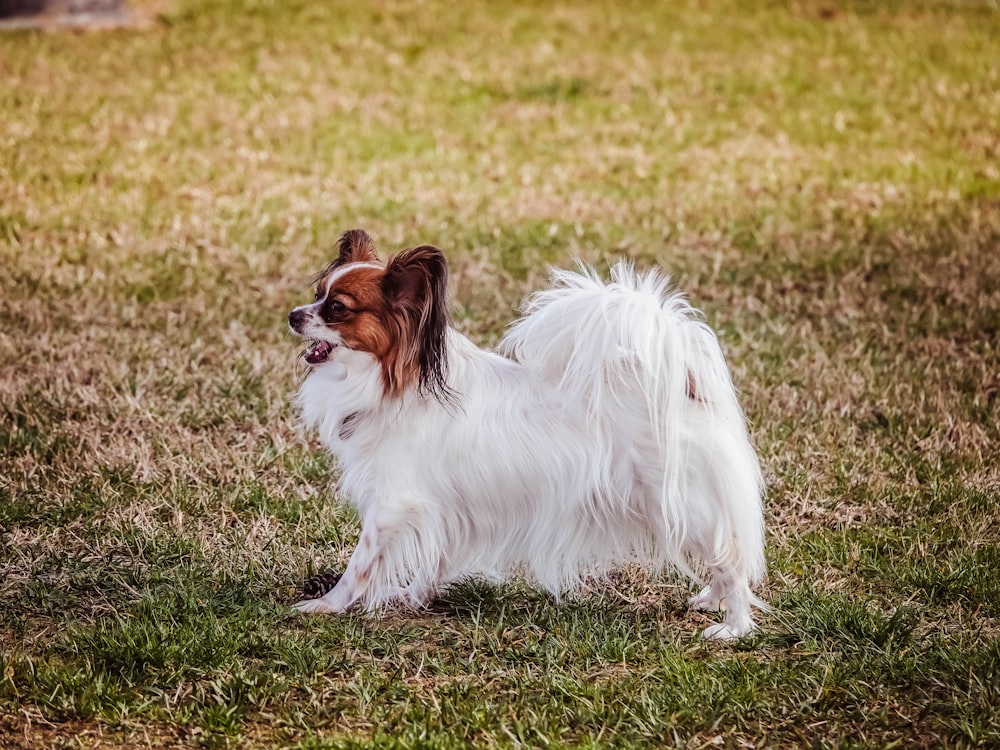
{"points": [[605, 431]]}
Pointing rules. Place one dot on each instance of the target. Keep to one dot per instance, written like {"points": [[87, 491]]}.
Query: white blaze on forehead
{"points": [[339, 273]]}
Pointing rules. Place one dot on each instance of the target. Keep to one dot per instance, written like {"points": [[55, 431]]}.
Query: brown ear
{"points": [[416, 283], [354, 246]]}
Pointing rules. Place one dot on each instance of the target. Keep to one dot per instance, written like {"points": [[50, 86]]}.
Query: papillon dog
{"points": [[604, 430]]}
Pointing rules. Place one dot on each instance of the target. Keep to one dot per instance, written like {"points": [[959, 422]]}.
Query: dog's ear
{"points": [[416, 285], [354, 246]]}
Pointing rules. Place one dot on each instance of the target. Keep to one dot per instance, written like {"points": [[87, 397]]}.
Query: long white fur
{"points": [[605, 431]]}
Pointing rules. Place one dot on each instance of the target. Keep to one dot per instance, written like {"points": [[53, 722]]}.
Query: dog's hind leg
{"points": [[730, 591], [724, 531]]}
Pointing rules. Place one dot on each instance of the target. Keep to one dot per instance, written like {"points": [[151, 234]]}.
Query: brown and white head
{"points": [[396, 312]]}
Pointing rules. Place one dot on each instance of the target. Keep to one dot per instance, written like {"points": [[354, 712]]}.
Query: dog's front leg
{"points": [[356, 579], [396, 559]]}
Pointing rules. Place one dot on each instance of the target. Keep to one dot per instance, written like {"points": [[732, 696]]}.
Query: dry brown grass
{"points": [[825, 184]]}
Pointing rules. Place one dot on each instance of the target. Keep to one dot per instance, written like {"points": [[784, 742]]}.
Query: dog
{"points": [[604, 430]]}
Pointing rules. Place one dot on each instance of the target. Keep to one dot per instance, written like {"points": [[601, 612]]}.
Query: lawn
{"points": [[823, 179]]}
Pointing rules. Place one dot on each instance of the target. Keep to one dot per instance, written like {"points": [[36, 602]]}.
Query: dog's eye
{"points": [[334, 309]]}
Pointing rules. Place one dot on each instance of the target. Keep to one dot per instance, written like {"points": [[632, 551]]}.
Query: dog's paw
{"points": [[706, 601], [726, 632], [315, 606], [721, 632]]}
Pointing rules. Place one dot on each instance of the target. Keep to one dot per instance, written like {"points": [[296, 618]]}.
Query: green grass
{"points": [[824, 181]]}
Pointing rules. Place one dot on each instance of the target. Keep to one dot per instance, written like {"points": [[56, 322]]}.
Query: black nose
{"points": [[295, 318]]}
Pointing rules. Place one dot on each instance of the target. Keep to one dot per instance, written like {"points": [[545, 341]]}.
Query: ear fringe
{"points": [[416, 281], [354, 246]]}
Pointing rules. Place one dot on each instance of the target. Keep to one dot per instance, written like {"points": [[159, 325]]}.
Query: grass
{"points": [[823, 179]]}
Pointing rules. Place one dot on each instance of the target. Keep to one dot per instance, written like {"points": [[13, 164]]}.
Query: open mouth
{"points": [[319, 352]]}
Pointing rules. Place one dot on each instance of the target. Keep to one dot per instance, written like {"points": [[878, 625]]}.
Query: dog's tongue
{"points": [[319, 352]]}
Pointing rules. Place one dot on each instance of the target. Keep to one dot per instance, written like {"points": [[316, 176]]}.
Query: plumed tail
{"points": [[646, 366]]}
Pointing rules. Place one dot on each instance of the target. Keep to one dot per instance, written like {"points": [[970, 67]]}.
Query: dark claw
{"points": [[319, 584]]}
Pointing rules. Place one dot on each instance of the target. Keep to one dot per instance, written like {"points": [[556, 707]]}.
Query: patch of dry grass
{"points": [[824, 182]]}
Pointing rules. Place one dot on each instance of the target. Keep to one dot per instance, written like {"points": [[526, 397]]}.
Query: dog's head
{"points": [[396, 312]]}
